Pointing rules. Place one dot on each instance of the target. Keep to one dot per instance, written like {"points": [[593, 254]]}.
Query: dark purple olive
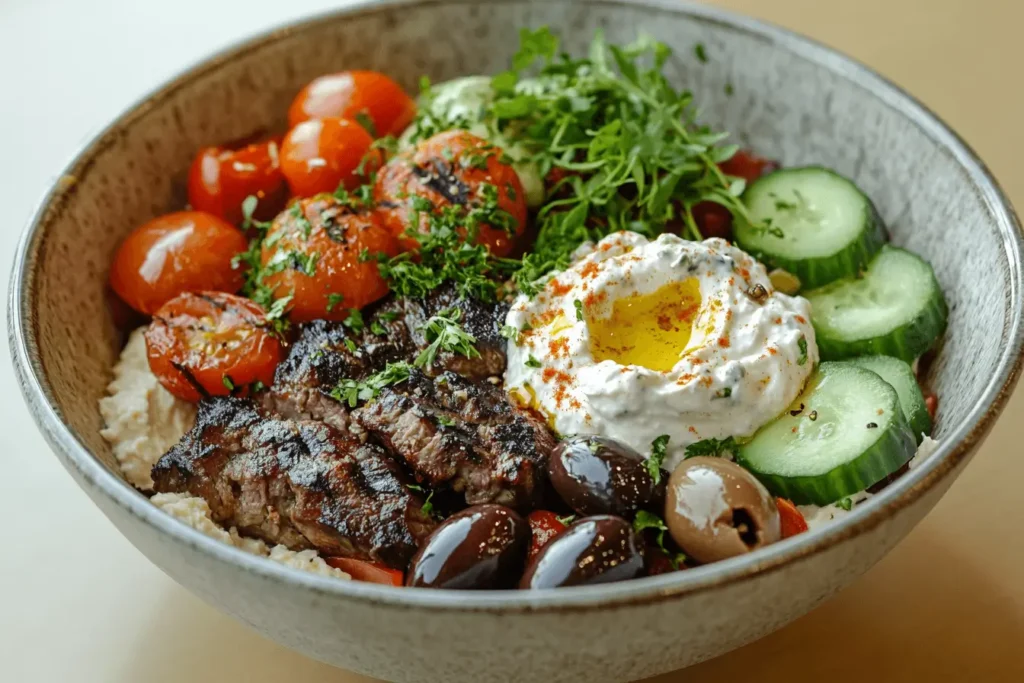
{"points": [[481, 547], [599, 476], [599, 549]]}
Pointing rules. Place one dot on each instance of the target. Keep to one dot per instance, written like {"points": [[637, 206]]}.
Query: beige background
{"points": [[78, 603]]}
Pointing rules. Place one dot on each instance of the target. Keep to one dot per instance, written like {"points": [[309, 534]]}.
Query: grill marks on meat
{"points": [[326, 353], [298, 483], [466, 435]]}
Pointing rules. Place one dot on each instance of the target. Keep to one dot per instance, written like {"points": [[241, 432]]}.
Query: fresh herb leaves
{"points": [[351, 391], [649, 520], [510, 332], [333, 299], [802, 346], [711, 447], [532, 362], [658, 449], [444, 333], [578, 305], [844, 504]]}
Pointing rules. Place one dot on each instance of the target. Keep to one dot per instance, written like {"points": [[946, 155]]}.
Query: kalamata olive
{"points": [[715, 509], [481, 547], [598, 549], [599, 476]]}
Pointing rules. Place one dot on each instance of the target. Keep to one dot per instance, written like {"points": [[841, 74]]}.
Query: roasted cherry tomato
{"points": [[186, 251], [352, 95], [313, 253], [931, 403], [457, 168], [211, 343], [220, 179], [319, 155], [792, 521], [371, 572], [714, 220], [544, 526]]}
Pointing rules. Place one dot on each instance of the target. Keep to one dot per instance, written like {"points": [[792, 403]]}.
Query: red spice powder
{"points": [[772, 350], [744, 272], [595, 298], [558, 289], [802, 320], [723, 342], [705, 382], [559, 347], [692, 429]]}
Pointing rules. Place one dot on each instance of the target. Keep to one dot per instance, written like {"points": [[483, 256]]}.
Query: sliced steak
{"points": [[462, 434], [298, 483], [328, 352]]}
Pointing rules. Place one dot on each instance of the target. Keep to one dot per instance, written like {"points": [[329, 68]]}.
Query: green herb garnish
{"points": [[443, 333], [333, 299], [509, 332], [649, 520], [658, 449], [351, 391], [228, 383], [578, 305], [700, 53], [802, 346], [532, 362], [711, 447], [354, 320], [844, 504]]}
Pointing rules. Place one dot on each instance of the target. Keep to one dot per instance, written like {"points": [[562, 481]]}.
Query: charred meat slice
{"points": [[465, 435], [326, 352], [298, 483]]}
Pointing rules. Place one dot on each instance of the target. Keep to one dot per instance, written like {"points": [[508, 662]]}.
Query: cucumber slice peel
{"points": [[818, 225], [895, 309], [901, 377], [845, 433]]}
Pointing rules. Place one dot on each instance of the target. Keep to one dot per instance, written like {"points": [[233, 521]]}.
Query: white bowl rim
{"points": [[954, 448]]}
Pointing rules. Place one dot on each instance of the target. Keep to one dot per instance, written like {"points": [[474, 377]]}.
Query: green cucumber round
{"points": [[895, 309], [811, 222], [901, 377], [845, 433]]}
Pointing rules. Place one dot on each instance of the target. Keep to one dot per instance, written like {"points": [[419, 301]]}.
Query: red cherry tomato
{"points": [[544, 526], [657, 561], [931, 403], [454, 167], [186, 251], [211, 343], [319, 155], [372, 572], [793, 522], [349, 95], [220, 179], [714, 220], [319, 243]]}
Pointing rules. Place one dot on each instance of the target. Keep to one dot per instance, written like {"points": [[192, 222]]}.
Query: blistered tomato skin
{"points": [[452, 168], [220, 179], [482, 547], [595, 475], [599, 549], [544, 527], [211, 344], [185, 251], [322, 154], [352, 94], [313, 250]]}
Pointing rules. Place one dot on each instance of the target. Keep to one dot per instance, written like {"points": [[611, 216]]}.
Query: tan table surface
{"points": [[78, 603]]}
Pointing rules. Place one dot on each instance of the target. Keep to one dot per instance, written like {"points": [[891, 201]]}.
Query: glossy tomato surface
{"points": [[354, 95], [211, 344], [319, 155], [458, 169], [312, 253], [220, 179], [186, 251]]}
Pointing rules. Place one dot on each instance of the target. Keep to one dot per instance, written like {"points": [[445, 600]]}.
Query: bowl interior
{"points": [[789, 101]]}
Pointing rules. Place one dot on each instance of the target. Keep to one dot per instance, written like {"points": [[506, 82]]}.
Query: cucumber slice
{"points": [[896, 309], [901, 377], [824, 447], [820, 226]]}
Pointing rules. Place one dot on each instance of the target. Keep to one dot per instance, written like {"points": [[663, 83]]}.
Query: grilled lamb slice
{"points": [[328, 352], [464, 435], [298, 483]]}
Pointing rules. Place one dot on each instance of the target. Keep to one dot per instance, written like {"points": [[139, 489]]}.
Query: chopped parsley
{"points": [[333, 299], [700, 53], [510, 332], [351, 391], [444, 333], [649, 520], [802, 346], [350, 345], [257, 387], [532, 362], [354, 320], [228, 383], [711, 447], [724, 392], [578, 305], [428, 505], [364, 120], [567, 520], [844, 504], [658, 449], [445, 421], [378, 329]]}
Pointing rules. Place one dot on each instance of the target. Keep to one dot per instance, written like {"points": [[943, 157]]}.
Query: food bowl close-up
{"points": [[797, 103]]}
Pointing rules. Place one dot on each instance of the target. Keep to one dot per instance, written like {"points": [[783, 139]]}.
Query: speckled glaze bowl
{"points": [[792, 100]]}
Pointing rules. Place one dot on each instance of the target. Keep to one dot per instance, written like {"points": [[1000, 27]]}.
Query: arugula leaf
{"points": [[444, 333], [710, 447], [658, 449]]}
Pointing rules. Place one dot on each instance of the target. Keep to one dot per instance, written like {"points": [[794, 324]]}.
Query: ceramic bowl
{"points": [[791, 100]]}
